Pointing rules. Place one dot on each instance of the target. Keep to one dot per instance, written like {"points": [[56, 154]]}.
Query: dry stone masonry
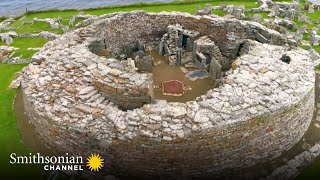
{"points": [[296, 165], [82, 103]]}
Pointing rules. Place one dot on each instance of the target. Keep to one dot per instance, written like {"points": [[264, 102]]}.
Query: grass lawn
{"points": [[315, 16], [24, 43], [312, 172], [306, 37], [190, 8], [34, 28], [263, 14], [150, 7], [317, 48], [9, 137]]}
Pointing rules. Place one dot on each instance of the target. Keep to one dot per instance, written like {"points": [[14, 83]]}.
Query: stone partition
{"points": [[261, 109]]}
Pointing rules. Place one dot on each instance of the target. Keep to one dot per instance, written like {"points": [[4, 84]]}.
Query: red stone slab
{"points": [[172, 88]]}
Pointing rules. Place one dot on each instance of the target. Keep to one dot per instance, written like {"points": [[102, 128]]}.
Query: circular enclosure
{"points": [[260, 104]]}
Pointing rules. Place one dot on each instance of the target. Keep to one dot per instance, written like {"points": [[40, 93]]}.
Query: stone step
{"points": [[95, 97], [86, 97], [100, 100], [97, 102], [86, 90], [105, 102]]}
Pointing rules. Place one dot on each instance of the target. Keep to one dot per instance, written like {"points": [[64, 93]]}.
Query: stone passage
{"points": [[262, 107]]}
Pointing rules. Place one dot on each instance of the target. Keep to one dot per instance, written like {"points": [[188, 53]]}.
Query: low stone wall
{"points": [[43, 34], [262, 108], [132, 98], [296, 165]]}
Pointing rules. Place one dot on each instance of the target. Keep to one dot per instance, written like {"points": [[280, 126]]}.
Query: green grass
{"points": [[185, 6], [189, 6], [2, 19], [315, 16], [24, 43], [9, 138], [306, 37], [151, 7], [33, 28], [219, 12], [312, 172], [263, 14], [309, 26], [317, 48]]}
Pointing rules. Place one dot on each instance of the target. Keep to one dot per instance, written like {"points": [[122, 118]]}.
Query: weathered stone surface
{"points": [[86, 90], [145, 64], [60, 91], [295, 165], [52, 22]]}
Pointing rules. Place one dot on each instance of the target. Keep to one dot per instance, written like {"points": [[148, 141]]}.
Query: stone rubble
{"points": [[54, 24], [5, 52], [314, 37], [5, 23], [43, 34], [8, 37]]}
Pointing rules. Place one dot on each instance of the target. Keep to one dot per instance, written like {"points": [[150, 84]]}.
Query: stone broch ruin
{"points": [[82, 103]]}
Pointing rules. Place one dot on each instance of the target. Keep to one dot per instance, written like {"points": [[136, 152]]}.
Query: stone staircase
{"points": [[92, 97]]}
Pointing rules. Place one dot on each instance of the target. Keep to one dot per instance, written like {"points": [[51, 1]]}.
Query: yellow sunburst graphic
{"points": [[95, 162]]}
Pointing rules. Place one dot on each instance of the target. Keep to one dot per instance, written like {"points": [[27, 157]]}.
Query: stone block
{"points": [[145, 64], [261, 38]]}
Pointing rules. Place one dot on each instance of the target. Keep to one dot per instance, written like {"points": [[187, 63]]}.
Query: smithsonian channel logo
{"points": [[94, 162]]}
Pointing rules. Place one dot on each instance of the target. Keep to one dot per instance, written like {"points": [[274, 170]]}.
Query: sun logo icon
{"points": [[95, 162]]}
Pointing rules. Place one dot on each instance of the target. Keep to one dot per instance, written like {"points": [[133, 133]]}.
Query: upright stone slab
{"points": [[311, 9], [161, 47], [178, 54], [215, 71]]}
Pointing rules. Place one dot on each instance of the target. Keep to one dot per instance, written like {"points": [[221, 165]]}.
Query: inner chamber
{"points": [[183, 57], [184, 63]]}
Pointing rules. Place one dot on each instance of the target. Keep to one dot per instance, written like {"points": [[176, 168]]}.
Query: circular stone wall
{"points": [[262, 108]]}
